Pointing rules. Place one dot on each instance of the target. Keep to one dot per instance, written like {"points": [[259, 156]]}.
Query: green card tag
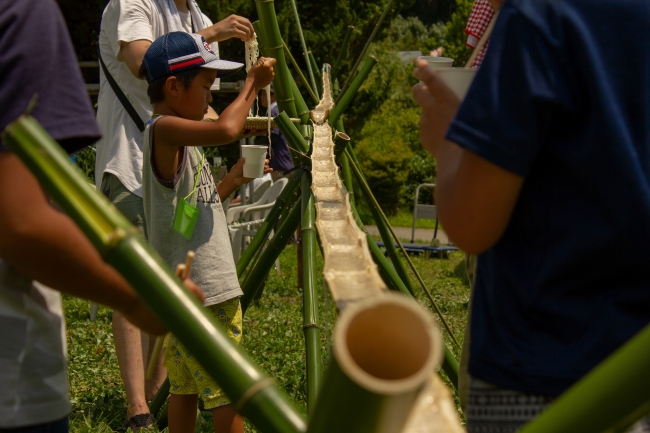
{"points": [[185, 219]]}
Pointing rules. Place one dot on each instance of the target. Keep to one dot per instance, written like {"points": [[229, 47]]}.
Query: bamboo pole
{"points": [[281, 203], [272, 41], [311, 326], [344, 48], [365, 48], [304, 47], [254, 394], [297, 143], [314, 64], [610, 398], [341, 140], [159, 399], [302, 112], [299, 72], [382, 226], [347, 97], [375, 375], [301, 106], [258, 274]]}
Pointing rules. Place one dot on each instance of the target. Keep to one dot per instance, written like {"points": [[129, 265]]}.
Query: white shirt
{"points": [[34, 380], [120, 150]]}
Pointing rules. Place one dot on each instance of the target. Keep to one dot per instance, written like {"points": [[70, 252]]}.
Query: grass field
{"points": [[272, 335]]}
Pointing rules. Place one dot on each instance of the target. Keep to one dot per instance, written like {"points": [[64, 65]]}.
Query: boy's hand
{"points": [[262, 73], [237, 172]]}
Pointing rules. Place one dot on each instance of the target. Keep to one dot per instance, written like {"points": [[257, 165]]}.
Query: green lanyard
{"points": [[197, 177]]}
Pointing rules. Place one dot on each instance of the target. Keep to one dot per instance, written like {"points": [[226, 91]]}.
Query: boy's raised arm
{"points": [[176, 131]]}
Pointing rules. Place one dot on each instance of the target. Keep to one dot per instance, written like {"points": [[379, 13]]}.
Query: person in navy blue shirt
{"points": [[280, 157], [544, 170]]}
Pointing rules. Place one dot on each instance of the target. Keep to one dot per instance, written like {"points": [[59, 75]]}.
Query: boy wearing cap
{"points": [[182, 206]]}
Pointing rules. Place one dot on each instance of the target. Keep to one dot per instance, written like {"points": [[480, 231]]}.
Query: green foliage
{"points": [[455, 37], [86, 161], [385, 155], [422, 169]]}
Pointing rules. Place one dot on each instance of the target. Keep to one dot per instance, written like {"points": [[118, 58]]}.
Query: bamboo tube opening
{"points": [[388, 344], [342, 136]]}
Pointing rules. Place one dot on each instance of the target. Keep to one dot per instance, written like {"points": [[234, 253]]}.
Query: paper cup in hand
{"points": [[254, 160], [437, 62], [458, 79]]}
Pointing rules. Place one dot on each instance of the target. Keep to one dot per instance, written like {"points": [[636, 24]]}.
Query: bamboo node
{"points": [[310, 325], [250, 392], [116, 236]]}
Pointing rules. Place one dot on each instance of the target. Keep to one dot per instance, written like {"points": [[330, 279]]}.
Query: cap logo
{"points": [[207, 46]]}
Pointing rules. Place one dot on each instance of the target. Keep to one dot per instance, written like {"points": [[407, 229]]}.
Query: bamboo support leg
{"points": [[344, 48], [272, 41], [310, 294], [281, 203], [258, 274], [304, 48], [349, 94]]}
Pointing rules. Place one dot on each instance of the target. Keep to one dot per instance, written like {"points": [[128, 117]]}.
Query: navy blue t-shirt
{"points": [[280, 157], [563, 99], [36, 56]]}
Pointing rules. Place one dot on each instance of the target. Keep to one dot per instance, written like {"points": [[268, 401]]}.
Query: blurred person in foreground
{"points": [[543, 170], [38, 242]]}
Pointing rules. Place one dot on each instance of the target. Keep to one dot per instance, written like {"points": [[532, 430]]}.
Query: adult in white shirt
{"points": [[128, 28]]}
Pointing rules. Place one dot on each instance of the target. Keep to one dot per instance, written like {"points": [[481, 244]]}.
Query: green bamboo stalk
{"points": [[304, 47], [383, 225], [374, 378], [344, 48], [301, 106], [272, 42], [314, 64], [610, 398], [258, 274], [345, 99], [365, 48], [311, 326], [123, 247], [449, 364], [313, 95], [271, 219], [297, 144], [159, 399], [341, 140], [302, 111]]}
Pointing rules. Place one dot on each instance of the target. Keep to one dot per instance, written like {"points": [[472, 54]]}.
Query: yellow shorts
{"points": [[186, 376]]}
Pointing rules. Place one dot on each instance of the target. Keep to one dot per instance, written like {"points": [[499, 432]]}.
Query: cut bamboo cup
{"points": [[384, 350]]}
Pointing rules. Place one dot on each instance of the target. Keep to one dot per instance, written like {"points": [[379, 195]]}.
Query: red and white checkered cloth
{"points": [[479, 19]]}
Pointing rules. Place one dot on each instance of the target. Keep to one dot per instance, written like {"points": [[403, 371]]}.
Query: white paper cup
{"points": [[255, 157], [458, 79], [438, 62]]}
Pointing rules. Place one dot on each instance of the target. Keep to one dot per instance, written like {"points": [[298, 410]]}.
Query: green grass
{"points": [[404, 218], [272, 336]]}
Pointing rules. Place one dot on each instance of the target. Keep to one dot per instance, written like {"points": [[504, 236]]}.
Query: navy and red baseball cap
{"points": [[179, 51]]}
